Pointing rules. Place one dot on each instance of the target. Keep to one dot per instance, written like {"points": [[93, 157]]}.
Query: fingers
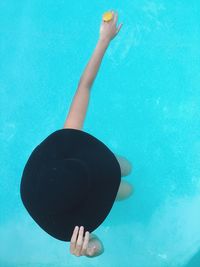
{"points": [[79, 241], [112, 19], [79, 246], [115, 22], [85, 243], [115, 17], [118, 29], [73, 239]]}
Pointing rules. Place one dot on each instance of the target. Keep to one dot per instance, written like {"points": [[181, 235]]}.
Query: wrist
{"points": [[104, 40]]}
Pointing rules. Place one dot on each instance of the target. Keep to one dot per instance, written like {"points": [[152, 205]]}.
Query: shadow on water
{"points": [[194, 261]]}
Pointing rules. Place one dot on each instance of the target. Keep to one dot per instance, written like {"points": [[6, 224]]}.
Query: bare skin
{"points": [[125, 189], [78, 109], [89, 244]]}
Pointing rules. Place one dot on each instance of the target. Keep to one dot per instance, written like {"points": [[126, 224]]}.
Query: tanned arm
{"points": [[80, 101], [78, 108]]}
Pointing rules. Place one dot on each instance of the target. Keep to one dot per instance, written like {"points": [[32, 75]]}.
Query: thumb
{"points": [[118, 29]]}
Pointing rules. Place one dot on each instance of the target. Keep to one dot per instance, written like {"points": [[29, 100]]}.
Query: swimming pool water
{"points": [[145, 105]]}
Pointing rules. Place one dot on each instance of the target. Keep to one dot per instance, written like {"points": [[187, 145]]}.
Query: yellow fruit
{"points": [[107, 16]]}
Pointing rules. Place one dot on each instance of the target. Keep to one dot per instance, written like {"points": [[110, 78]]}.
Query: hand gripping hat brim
{"points": [[104, 172]]}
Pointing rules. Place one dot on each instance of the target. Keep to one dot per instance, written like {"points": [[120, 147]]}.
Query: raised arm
{"points": [[78, 108], [80, 101]]}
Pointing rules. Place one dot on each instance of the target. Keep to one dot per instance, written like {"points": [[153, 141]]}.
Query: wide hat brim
{"points": [[106, 178]]}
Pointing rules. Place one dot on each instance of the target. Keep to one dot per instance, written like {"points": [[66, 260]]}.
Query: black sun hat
{"points": [[71, 178]]}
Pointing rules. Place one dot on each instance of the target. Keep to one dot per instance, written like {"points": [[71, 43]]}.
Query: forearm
{"points": [[94, 63], [80, 101]]}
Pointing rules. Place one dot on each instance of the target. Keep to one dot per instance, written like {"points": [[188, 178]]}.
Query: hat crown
{"points": [[60, 191], [62, 185]]}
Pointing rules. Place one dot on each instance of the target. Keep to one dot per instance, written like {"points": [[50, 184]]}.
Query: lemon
{"points": [[107, 16]]}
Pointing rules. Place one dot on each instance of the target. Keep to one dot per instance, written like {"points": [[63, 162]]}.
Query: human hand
{"points": [[108, 30], [80, 247]]}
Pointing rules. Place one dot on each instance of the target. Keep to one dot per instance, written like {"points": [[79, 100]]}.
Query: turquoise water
{"points": [[145, 105]]}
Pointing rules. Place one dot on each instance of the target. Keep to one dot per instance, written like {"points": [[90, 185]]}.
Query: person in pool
{"points": [[90, 245]]}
